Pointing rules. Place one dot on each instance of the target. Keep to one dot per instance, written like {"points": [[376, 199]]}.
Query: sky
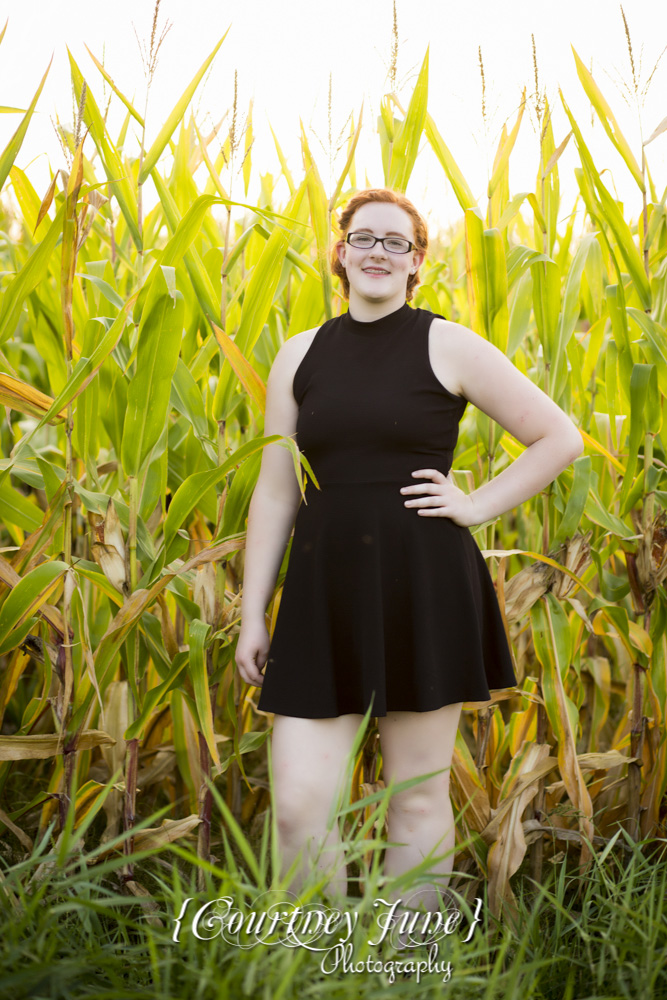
{"points": [[286, 55]]}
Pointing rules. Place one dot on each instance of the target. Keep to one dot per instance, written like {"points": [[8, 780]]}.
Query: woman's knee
{"points": [[421, 804], [310, 769], [300, 804]]}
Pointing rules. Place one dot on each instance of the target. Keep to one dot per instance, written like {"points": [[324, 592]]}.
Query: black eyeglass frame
{"points": [[380, 239]]}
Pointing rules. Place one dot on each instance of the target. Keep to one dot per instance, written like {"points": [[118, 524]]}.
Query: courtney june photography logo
{"points": [[336, 936]]}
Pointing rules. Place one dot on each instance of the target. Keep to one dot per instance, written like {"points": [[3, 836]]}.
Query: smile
{"points": [[374, 270]]}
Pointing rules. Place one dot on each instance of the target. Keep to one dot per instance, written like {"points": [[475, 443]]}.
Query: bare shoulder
{"points": [[464, 356], [452, 347], [290, 355], [472, 367]]}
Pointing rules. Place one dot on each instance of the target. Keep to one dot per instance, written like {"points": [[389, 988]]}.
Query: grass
{"points": [[75, 932]]}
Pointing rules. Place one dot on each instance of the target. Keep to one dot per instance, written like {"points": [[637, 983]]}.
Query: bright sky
{"points": [[284, 53]]}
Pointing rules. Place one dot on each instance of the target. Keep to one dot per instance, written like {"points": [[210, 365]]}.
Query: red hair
{"points": [[379, 195]]}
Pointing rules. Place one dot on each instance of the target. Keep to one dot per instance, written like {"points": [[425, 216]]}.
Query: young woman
{"points": [[387, 600]]}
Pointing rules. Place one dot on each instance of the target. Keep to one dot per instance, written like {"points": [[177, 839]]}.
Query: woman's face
{"points": [[378, 274]]}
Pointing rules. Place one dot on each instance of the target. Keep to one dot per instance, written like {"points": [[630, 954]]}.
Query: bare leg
{"points": [[309, 769], [420, 818]]}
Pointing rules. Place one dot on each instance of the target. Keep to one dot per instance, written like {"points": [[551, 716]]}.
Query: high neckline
{"points": [[383, 324]]}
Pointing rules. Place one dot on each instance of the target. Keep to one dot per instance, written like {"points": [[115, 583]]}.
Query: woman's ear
{"points": [[340, 251], [417, 260]]}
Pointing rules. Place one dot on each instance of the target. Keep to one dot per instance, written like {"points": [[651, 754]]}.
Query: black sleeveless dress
{"points": [[380, 606]]}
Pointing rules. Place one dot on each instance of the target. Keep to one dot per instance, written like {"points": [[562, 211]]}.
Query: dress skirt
{"points": [[382, 606]]}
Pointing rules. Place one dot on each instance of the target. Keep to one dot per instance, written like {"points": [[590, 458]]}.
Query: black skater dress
{"points": [[380, 606]]}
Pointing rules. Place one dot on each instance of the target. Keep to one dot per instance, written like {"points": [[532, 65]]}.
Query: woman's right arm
{"points": [[271, 514]]}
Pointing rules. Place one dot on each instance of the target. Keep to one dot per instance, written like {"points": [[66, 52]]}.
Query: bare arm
{"points": [[271, 515], [492, 383], [486, 377]]}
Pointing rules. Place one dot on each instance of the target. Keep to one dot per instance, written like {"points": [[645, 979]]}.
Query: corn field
{"points": [[135, 347]]}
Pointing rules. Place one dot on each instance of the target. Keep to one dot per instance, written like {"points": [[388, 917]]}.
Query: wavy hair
{"points": [[379, 195]]}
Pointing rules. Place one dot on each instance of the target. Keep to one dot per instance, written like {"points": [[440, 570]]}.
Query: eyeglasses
{"points": [[394, 244]]}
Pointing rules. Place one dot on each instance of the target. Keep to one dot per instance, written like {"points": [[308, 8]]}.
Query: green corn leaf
{"points": [[17, 510], [109, 293], [29, 201], [539, 218], [611, 389], [502, 161], [552, 639], [239, 496], [179, 248], [26, 598], [84, 372], [546, 302], [257, 304], [157, 695], [116, 173], [406, 141], [576, 500], [245, 372], [464, 195], [126, 620], [653, 404], [612, 217], [496, 277], [135, 114], [486, 268], [283, 164], [639, 388], [247, 150], [10, 152], [149, 391], [27, 279], [198, 632], [569, 315], [607, 120], [348, 163], [190, 492], [176, 116], [319, 217], [657, 337], [598, 512], [615, 299], [548, 183], [519, 314], [187, 399], [296, 258]]}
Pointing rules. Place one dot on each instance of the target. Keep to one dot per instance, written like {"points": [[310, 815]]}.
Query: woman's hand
{"points": [[445, 499], [252, 650]]}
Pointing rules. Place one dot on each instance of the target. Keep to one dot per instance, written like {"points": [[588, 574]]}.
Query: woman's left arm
{"points": [[489, 380]]}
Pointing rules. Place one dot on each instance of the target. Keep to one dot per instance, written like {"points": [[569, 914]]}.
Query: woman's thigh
{"points": [[416, 743], [310, 757]]}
